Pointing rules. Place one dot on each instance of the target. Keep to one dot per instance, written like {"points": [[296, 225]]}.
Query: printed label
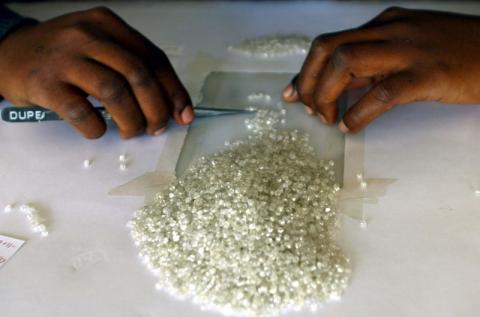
{"points": [[8, 247]]}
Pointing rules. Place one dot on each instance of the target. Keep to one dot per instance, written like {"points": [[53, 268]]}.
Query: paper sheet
{"points": [[8, 247]]}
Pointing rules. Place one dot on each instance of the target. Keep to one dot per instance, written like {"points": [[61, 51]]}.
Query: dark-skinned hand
{"points": [[404, 55], [56, 64]]}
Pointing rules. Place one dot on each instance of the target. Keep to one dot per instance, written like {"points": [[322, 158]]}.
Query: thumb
{"points": [[290, 93]]}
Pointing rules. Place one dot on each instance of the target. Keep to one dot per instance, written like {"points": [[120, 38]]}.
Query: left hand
{"points": [[405, 55]]}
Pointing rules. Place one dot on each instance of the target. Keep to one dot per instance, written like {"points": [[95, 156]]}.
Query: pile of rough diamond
{"points": [[249, 230]]}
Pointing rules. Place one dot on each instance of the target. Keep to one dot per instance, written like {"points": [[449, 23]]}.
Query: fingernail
{"points": [[160, 131], [322, 118], [187, 115], [288, 91], [343, 127], [308, 110]]}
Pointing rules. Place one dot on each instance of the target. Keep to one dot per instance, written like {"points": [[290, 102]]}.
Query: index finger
{"points": [[143, 83], [178, 97], [364, 60], [321, 50]]}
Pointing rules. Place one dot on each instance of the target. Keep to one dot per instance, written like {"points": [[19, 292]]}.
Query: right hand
{"points": [[56, 64]]}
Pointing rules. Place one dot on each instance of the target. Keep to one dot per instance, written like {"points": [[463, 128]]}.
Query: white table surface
{"points": [[419, 256]]}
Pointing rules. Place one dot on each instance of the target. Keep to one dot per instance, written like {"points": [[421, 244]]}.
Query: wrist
{"points": [[11, 21], [12, 45]]}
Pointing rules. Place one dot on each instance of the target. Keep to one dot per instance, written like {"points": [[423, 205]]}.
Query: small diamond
{"points": [[363, 224], [87, 163], [8, 208]]}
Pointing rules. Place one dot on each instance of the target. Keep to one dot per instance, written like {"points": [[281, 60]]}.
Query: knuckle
{"points": [[322, 39], [319, 99], [392, 11], [322, 43], [76, 113], [324, 103], [304, 93], [77, 32], [112, 91], [343, 56], [140, 76], [384, 92], [101, 12]]}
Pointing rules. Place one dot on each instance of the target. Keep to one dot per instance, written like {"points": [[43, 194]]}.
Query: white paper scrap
{"points": [[8, 247]]}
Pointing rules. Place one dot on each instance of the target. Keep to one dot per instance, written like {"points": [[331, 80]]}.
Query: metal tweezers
{"points": [[39, 114]]}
